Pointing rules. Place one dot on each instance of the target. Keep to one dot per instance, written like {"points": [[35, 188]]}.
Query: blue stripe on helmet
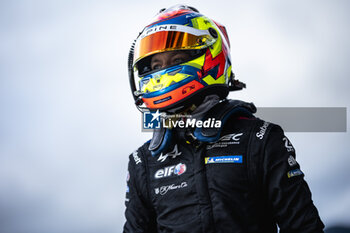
{"points": [[184, 19]]}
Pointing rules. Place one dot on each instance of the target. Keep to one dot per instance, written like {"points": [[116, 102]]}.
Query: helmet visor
{"points": [[162, 41]]}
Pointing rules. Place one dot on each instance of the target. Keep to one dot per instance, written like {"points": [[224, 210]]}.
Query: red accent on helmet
{"points": [[210, 63], [188, 89], [168, 15], [224, 32]]}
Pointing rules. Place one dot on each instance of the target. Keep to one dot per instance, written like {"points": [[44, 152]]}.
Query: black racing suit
{"points": [[247, 181]]}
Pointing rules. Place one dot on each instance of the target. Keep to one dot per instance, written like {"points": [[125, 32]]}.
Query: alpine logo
{"points": [[157, 29], [178, 169], [172, 154]]}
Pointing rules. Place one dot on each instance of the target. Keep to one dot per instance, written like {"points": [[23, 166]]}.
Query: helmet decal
{"points": [[215, 67]]}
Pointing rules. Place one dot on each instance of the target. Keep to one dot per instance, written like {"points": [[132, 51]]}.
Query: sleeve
{"points": [[288, 194], [139, 215]]}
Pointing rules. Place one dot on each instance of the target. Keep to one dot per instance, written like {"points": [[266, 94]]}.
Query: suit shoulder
{"points": [[138, 156]]}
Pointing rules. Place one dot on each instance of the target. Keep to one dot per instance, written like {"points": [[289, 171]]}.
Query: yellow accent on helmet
{"points": [[210, 80], [162, 81], [203, 23], [197, 62]]}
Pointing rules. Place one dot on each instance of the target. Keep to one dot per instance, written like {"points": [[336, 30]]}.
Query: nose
{"points": [[167, 62]]}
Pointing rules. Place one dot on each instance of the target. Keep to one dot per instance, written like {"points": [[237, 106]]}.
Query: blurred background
{"points": [[68, 122]]}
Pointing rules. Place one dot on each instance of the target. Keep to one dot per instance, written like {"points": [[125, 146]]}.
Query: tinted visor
{"points": [[171, 40]]}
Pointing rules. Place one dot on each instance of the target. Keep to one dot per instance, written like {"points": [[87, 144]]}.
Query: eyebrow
{"points": [[156, 60], [181, 55]]}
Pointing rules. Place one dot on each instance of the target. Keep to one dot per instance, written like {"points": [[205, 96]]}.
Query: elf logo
{"points": [[178, 169]]}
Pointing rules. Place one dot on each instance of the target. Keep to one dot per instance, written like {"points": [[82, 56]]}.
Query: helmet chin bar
{"points": [[234, 85], [194, 99]]}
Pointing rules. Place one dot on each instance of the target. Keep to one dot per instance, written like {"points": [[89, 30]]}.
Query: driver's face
{"points": [[165, 59]]}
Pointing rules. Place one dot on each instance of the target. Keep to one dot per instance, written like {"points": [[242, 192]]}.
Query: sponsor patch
{"points": [[136, 157], [262, 131], [127, 176], [178, 169], [164, 189], [226, 140], [224, 159], [288, 145], [291, 161], [162, 100], [295, 172]]}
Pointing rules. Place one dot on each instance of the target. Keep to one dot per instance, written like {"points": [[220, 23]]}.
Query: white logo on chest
{"points": [[172, 154], [226, 140]]}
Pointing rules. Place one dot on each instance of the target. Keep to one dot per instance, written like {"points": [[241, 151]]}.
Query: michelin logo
{"points": [[295, 172], [224, 159]]}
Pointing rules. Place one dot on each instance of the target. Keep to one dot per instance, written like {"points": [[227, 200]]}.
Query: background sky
{"points": [[68, 122]]}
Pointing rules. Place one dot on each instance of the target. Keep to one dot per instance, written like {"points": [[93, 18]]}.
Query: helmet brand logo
{"points": [[188, 89]]}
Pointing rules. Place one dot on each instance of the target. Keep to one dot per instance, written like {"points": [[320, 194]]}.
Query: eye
{"points": [[146, 69], [156, 66], [178, 60]]}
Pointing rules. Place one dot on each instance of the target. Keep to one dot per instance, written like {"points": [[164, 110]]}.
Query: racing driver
{"points": [[213, 167]]}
